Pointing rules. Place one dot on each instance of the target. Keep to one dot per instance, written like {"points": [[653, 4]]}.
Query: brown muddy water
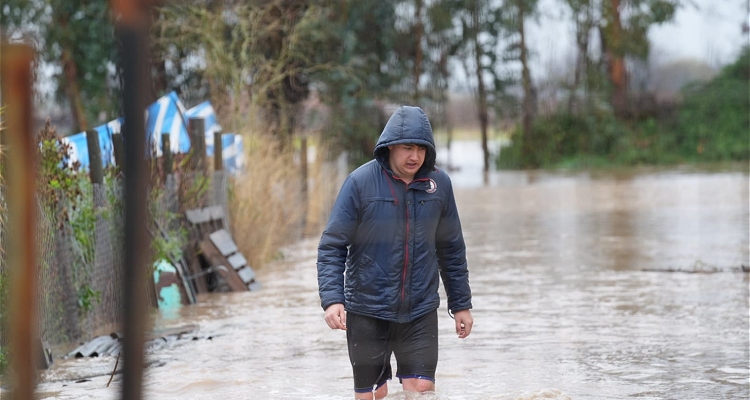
{"points": [[586, 286]]}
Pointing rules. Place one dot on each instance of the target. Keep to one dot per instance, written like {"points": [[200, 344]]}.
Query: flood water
{"points": [[586, 286]]}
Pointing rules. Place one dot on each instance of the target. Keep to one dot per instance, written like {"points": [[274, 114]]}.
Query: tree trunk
{"points": [[159, 65], [527, 118], [615, 58], [583, 28], [418, 34], [73, 90], [481, 92]]}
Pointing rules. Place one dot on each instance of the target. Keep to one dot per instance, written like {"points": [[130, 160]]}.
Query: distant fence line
{"points": [[166, 116], [76, 298], [81, 294]]}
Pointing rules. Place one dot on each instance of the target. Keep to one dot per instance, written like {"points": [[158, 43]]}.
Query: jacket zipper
{"points": [[406, 237], [406, 255]]}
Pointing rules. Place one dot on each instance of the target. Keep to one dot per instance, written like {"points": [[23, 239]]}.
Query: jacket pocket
{"points": [[430, 208], [371, 282]]}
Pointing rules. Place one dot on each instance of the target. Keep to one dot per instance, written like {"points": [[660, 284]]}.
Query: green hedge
{"points": [[711, 123]]}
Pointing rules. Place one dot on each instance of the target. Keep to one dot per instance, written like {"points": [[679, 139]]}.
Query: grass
{"points": [[268, 207], [441, 135]]}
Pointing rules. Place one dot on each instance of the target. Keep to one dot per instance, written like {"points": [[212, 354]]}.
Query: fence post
{"points": [[166, 153], [117, 147], [21, 175], [305, 173], [96, 170], [218, 152], [132, 31], [198, 143]]}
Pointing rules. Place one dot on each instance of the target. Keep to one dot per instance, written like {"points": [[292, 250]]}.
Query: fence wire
{"points": [[79, 296]]}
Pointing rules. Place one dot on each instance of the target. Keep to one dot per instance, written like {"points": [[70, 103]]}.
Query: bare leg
{"points": [[380, 393], [418, 385]]}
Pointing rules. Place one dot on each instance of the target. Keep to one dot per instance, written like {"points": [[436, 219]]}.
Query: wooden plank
{"points": [[224, 242], [197, 216], [246, 274], [214, 257], [237, 261], [215, 212], [195, 269]]}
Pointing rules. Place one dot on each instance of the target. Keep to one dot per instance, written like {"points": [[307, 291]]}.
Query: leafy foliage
{"points": [[715, 117], [77, 39], [711, 124], [66, 192]]}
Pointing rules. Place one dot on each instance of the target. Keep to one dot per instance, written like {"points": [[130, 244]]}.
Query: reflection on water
{"points": [[572, 301]]}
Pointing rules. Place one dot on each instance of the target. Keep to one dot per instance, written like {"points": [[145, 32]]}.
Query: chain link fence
{"points": [[80, 295]]}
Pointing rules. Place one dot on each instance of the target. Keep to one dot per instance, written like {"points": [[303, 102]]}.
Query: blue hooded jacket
{"points": [[387, 244]]}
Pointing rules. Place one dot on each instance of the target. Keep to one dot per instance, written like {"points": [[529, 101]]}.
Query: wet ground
{"points": [[587, 286]]}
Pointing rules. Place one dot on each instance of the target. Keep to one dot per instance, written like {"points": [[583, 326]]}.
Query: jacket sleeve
{"points": [[334, 242], [451, 253]]}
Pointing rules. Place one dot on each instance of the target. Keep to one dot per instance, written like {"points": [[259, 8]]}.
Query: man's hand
{"points": [[336, 316], [464, 322]]}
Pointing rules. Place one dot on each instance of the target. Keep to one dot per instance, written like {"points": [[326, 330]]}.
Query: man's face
{"points": [[406, 159]]}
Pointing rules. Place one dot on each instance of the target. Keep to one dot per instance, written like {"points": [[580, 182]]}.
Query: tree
{"points": [[480, 26], [624, 33], [77, 39], [252, 54], [517, 12], [585, 19]]}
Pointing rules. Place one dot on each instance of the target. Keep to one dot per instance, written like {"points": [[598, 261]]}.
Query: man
{"points": [[393, 233]]}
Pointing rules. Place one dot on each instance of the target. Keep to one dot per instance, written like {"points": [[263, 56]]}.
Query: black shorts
{"points": [[371, 342]]}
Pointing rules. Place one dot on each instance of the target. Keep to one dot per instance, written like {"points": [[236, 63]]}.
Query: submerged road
{"points": [[587, 286]]}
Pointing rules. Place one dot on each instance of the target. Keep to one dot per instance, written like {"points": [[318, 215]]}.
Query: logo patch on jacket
{"points": [[432, 188]]}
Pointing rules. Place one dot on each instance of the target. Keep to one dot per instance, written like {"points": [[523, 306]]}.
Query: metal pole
{"points": [[132, 31], [21, 173]]}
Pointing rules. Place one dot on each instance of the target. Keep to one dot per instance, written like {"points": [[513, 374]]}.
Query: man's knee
{"points": [[381, 392], [418, 385]]}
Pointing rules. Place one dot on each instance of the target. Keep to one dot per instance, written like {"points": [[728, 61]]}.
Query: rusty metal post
{"points": [[21, 174], [133, 17]]}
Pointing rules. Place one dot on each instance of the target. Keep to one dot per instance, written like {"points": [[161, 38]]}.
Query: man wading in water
{"points": [[393, 233]]}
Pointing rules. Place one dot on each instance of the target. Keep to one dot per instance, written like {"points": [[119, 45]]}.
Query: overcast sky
{"points": [[707, 30], [710, 30], [702, 30]]}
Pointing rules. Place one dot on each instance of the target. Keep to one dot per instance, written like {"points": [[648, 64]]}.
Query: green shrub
{"points": [[714, 120], [711, 124]]}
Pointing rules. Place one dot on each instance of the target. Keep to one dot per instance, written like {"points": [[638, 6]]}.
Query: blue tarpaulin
{"points": [[165, 115], [79, 150]]}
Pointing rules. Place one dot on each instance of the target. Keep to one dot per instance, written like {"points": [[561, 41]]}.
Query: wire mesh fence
{"points": [[80, 291]]}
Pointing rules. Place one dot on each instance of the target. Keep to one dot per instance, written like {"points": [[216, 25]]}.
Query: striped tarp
{"points": [[165, 115], [79, 150]]}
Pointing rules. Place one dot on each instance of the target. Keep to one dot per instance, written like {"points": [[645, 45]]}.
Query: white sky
{"points": [[707, 30], [710, 30]]}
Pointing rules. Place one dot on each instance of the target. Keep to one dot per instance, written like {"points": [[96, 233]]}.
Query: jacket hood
{"points": [[407, 125]]}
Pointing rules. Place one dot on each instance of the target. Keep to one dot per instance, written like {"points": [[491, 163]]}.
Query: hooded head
{"points": [[407, 125]]}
